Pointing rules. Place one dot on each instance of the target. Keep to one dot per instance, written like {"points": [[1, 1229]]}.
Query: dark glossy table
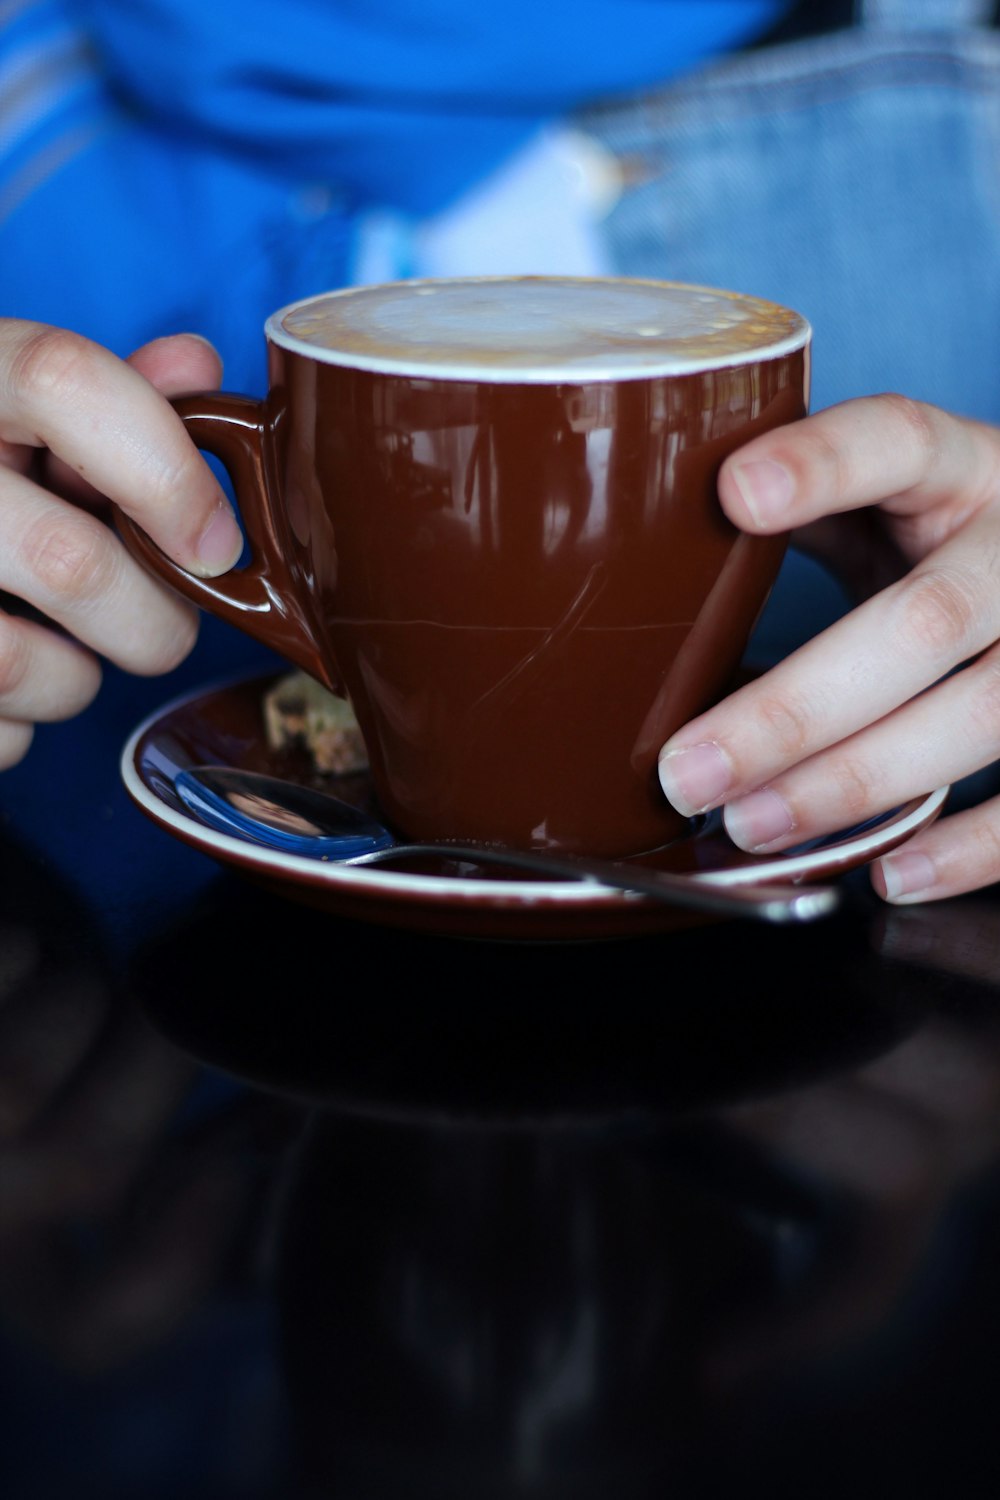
{"points": [[291, 1207]]}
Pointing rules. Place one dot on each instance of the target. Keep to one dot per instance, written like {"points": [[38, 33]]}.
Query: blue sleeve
{"points": [[115, 226], [133, 238], [165, 169], [399, 103]]}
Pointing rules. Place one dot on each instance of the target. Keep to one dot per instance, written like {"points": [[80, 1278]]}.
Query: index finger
{"points": [[106, 421], [883, 450], [856, 673]]}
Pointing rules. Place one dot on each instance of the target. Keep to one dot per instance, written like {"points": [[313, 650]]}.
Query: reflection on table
{"points": [[293, 1207]]}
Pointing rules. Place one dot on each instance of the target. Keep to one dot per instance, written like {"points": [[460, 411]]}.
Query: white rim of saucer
{"points": [[911, 816], [576, 373]]}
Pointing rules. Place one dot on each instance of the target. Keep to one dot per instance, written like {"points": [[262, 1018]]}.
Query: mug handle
{"points": [[266, 599]]}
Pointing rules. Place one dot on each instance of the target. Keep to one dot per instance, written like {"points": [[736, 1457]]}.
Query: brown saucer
{"points": [[223, 725]]}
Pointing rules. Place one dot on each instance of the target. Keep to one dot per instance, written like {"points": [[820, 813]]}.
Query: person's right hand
{"points": [[80, 428], [899, 696]]}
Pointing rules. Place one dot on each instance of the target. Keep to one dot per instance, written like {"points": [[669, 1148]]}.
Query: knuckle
{"points": [[788, 721], [72, 558], [857, 786], [825, 462], [986, 855], [984, 462], [913, 423], [938, 612], [168, 478], [51, 363], [915, 420], [984, 701], [15, 656]]}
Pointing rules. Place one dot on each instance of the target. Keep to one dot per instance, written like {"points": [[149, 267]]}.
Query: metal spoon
{"points": [[301, 820]]}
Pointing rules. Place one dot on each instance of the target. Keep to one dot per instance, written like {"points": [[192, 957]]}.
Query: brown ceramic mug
{"points": [[485, 509]]}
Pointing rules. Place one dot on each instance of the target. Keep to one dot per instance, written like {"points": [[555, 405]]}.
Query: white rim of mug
{"points": [[556, 374]]}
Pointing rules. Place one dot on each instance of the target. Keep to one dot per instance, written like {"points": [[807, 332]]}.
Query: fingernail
{"points": [[758, 821], [906, 876], [766, 488], [221, 543], [694, 779]]}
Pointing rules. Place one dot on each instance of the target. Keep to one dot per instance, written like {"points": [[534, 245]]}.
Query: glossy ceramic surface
{"points": [[223, 725], [522, 579]]}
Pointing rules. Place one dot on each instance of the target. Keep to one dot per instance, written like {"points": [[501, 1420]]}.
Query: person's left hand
{"points": [[873, 711], [79, 430]]}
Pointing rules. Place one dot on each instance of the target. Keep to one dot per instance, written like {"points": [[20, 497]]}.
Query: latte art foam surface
{"points": [[537, 329]]}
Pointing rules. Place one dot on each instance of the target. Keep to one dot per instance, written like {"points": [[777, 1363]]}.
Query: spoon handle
{"points": [[303, 821], [767, 902]]}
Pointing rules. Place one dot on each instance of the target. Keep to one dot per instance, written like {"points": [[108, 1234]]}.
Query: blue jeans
{"points": [[852, 176]]}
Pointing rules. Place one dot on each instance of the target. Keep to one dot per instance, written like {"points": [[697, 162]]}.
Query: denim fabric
{"points": [[854, 177], [926, 13]]}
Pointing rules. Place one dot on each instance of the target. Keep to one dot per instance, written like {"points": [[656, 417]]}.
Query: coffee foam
{"points": [[537, 329]]}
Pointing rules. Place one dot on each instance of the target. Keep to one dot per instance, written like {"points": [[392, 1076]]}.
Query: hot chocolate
{"points": [[538, 329]]}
